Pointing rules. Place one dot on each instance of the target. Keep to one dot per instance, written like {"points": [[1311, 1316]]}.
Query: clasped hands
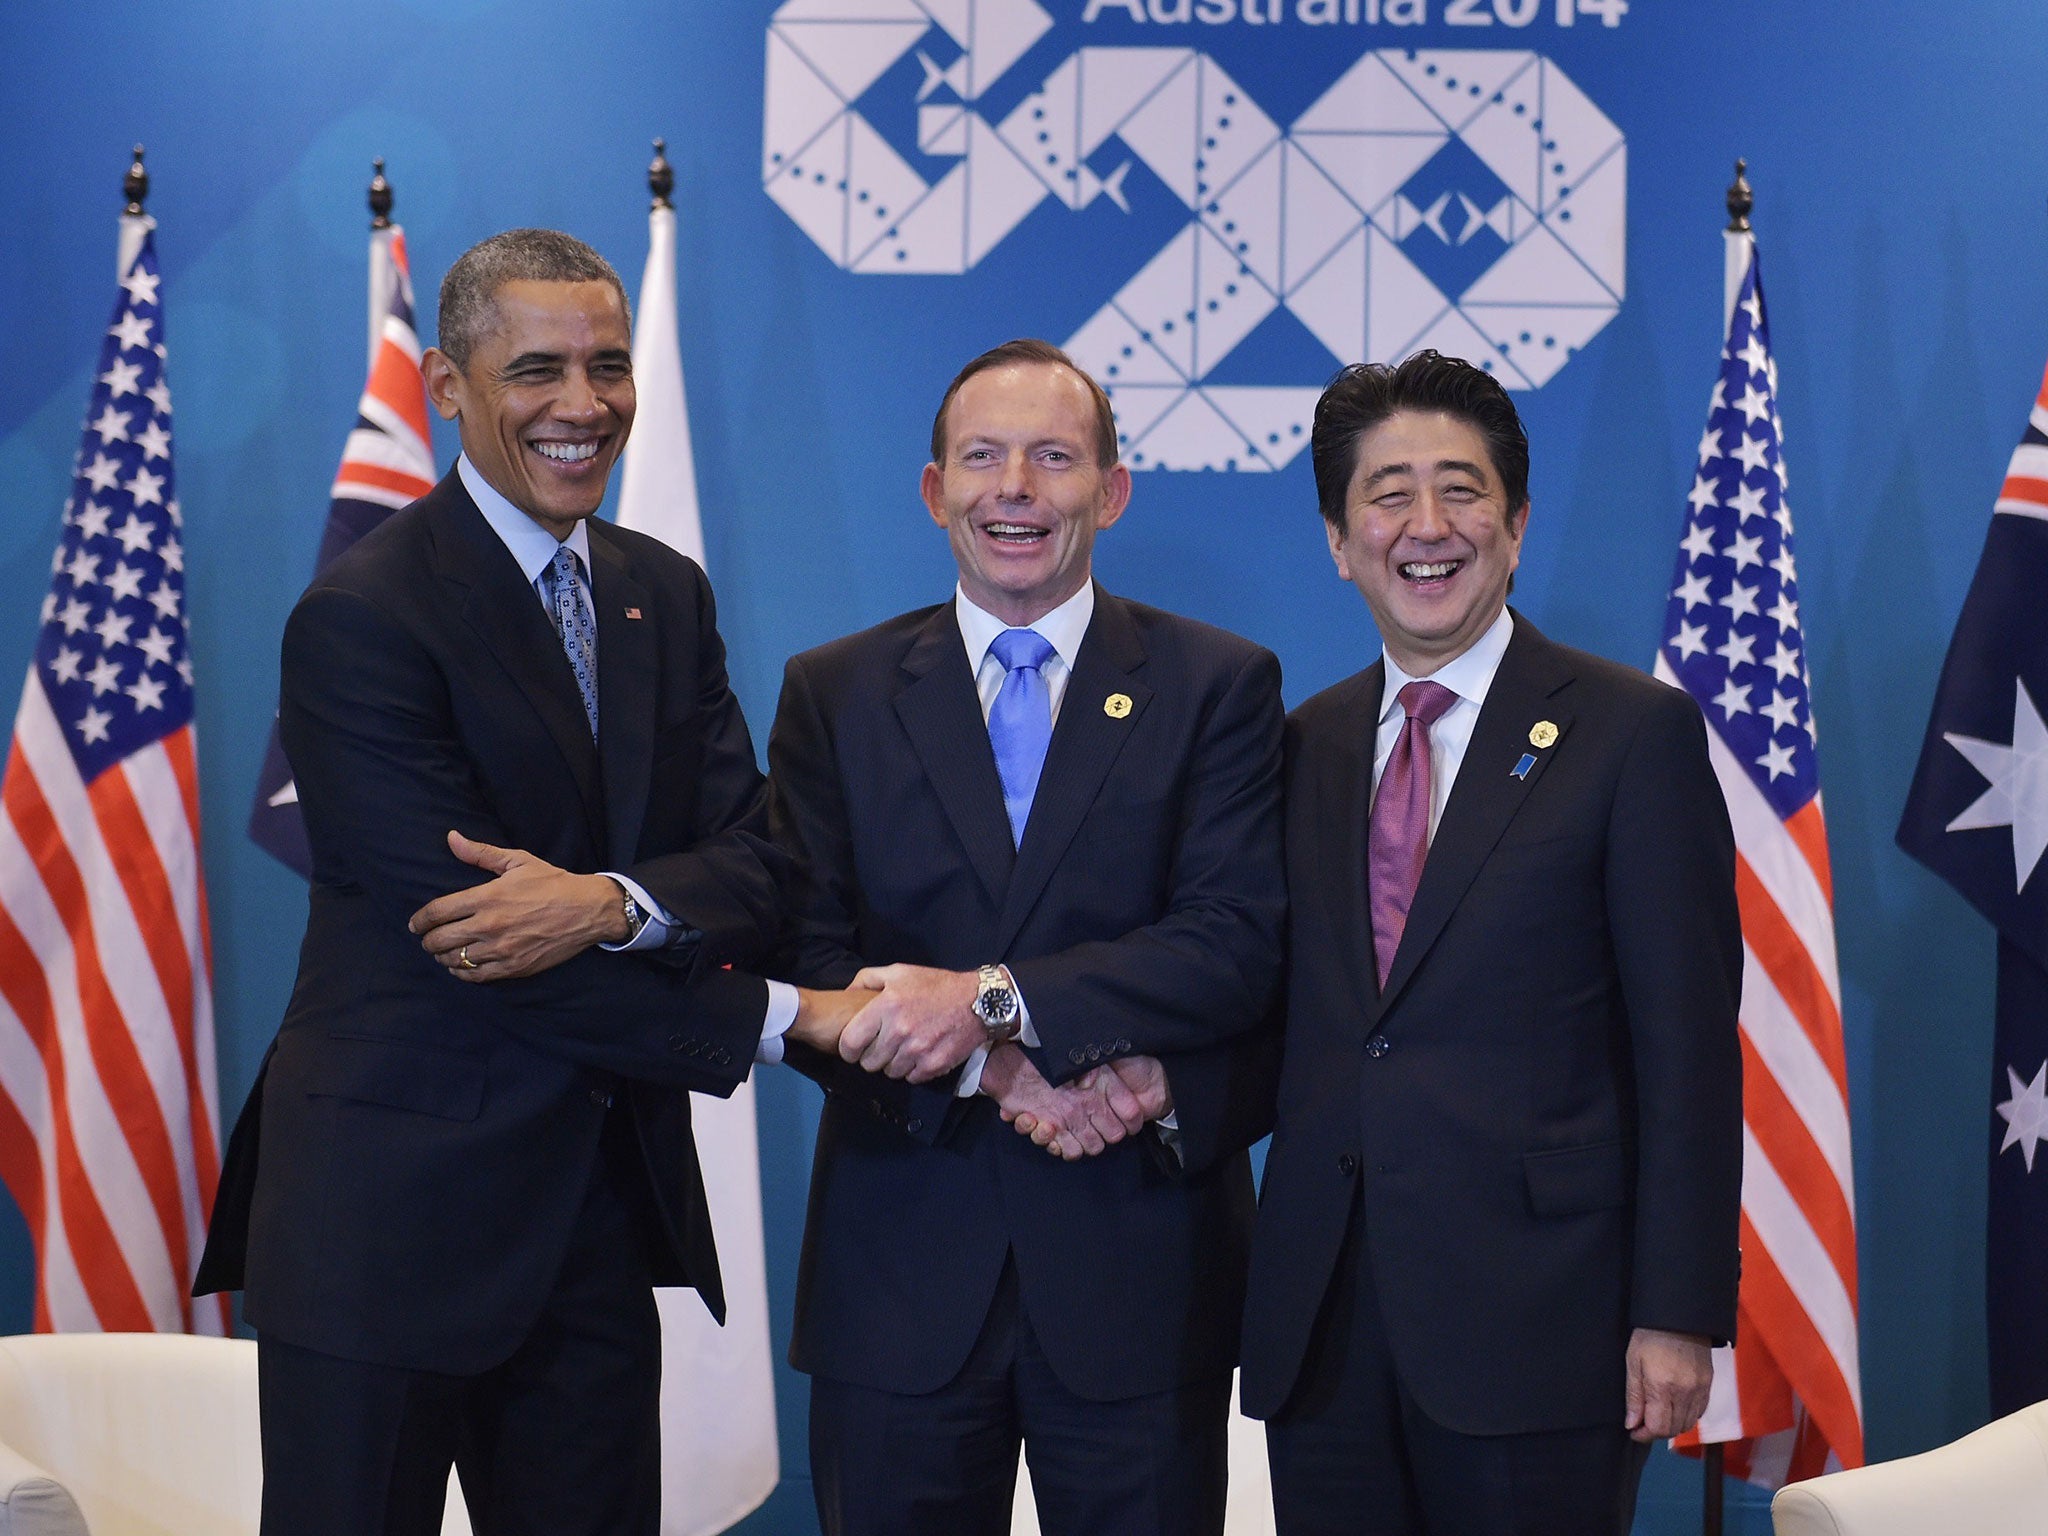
{"points": [[905, 1021], [917, 1023]]}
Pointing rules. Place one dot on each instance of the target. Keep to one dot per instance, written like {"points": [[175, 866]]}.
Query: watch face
{"points": [[997, 1005]]}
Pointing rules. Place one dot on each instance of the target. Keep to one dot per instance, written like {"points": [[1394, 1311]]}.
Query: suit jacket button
{"points": [[676, 1042], [913, 1125], [1077, 1055], [723, 1058], [1378, 1046], [1347, 1165], [1095, 1053], [1123, 1047]]}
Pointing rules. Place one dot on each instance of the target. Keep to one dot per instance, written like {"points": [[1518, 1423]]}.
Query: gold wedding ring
{"points": [[463, 955]]}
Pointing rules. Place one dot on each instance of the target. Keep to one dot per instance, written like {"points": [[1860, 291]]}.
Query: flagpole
{"points": [[1738, 246], [1739, 242], [135, 222], [380, 199]]}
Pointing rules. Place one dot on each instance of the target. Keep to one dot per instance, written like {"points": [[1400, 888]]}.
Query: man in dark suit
{"points": [[447, 1203], [1044, 822], [1497, 1233]]}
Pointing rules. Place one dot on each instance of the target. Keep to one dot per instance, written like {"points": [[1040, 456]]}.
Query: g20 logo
{"points": [[1469, 200]]}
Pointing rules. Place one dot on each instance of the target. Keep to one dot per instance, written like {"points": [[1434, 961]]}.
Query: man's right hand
{"points": [[822, 1015], [1083, 1117]]}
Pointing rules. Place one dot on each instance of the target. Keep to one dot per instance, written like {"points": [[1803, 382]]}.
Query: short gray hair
{"points": [[469, 292]]}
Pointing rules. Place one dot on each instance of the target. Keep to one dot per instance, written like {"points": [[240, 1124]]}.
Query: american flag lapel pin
{"points": [[632, 613]]}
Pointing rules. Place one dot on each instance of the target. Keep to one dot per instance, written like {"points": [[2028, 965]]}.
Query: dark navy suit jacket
{"points": [[403, 1181], [1542, 1109], [1141, 914]]}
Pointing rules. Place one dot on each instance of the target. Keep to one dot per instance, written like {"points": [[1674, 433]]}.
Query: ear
{"points": [[444, 382], [1116, 495], [931, 485], [1518, 524], [1336, 538]]}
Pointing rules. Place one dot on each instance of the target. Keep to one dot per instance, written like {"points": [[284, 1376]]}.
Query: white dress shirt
{"points": [[1063, 629], [534, 548], [1469, 676]]}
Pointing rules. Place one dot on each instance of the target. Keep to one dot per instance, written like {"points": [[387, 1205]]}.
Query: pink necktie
{"points": [[1397, 840]]}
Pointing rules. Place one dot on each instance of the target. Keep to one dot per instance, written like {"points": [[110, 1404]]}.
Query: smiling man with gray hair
{"points": [[468, 1157]]}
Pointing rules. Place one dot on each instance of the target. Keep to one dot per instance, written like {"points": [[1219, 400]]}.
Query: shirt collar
{"points": [[1063, 628], [531, 545], [1469, 674]]}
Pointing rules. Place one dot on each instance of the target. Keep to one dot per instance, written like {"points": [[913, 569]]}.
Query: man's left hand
{"points": [[530, 918], [921, 1026], [1668, 1378]]}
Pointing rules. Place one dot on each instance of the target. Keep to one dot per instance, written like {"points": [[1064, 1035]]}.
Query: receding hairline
{"points": [[1089, 432], [470, 290], [491, 316]]}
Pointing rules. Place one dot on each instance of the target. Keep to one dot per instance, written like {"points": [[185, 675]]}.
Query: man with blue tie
{"points": [[468, 1156], [1043, 823]]}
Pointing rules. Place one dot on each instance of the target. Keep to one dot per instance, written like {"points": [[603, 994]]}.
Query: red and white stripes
{"points": [[109, 1115], [1787, 1397]]}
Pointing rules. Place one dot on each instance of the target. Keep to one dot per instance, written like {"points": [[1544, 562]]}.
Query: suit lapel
{"points": [[941, 713], [1488, 792], [627, 681], [500, 607], [1085, 745], [1342, 780]]}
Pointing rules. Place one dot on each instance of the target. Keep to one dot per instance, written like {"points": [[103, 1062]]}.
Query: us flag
{"points": [[1787, 1398], [108, 1110], [1977, 815], [387, 463]]}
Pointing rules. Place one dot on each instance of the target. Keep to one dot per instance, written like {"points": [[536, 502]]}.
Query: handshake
{"points": [[918, 1023]]}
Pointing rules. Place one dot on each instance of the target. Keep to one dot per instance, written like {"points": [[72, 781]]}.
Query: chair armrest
{"points": [[32, 1502]]}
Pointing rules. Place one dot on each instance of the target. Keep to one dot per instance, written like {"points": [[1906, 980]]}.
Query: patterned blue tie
{"points": [[573, 622], [1020, 720]]}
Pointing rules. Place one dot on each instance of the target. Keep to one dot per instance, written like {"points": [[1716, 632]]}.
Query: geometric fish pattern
{"points": [[1470, 200]]}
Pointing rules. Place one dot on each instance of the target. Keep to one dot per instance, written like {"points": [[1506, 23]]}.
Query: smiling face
{"points": [[547, 398], [1020, 491], [1428, 538]]}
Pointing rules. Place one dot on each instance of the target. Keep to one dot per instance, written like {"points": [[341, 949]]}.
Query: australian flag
{"points": [[389, 461], [1977, 816]]}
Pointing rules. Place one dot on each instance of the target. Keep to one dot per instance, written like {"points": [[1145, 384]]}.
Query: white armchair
{"points": [[134, 1434], [1993, 1482]]}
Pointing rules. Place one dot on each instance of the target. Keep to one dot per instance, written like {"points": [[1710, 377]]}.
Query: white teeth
{"points": [[1417, 571], [1014, 531], [567, 453]]}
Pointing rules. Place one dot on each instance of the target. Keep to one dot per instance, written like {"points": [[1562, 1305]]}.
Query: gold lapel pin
{"points": [[1117, 705], [1542, 734]]}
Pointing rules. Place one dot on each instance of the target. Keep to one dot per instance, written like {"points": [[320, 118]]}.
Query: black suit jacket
{"points": [[1544, 1105], [1142, 914], [402, 1183]]}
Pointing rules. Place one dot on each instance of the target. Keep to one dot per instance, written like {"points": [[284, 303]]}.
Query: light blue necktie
{"points": [[573, 622], [1020, 720]]}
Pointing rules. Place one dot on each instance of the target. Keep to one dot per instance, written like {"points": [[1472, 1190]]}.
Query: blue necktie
{"points": [[1020, 720], [573, 622]]}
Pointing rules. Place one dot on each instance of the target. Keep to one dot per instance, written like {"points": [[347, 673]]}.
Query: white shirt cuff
{"points": [[782, 1003], [970, 1070], [970, 1073], [661, 926]]}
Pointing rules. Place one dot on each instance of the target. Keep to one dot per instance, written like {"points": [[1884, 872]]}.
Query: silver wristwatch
{"points": [[997, 1005], [636, 915]]}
